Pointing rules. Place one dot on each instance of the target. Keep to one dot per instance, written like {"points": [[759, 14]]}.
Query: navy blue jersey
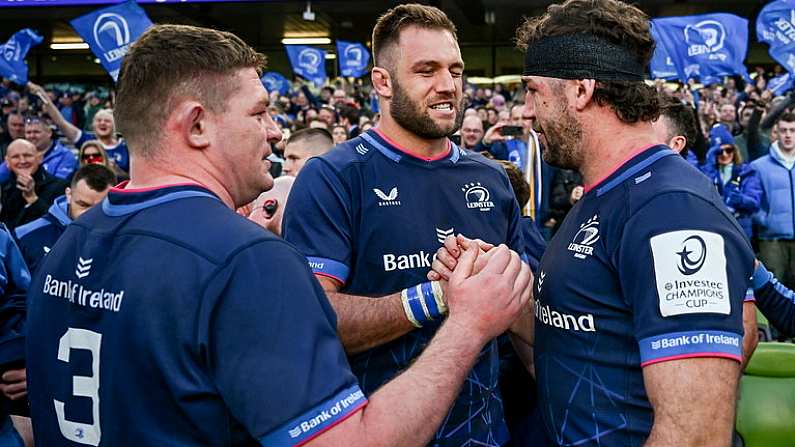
{"points": [[37, 238], [648, 266], [372, 216], [163, 318], [119, 153]]}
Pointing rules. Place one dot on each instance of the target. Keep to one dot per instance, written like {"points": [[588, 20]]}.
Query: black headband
{"points": [[581, 56]]}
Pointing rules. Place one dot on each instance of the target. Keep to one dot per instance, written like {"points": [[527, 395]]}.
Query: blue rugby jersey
{"points": [[163, 318], [37, 238], [372, 216], [647, 267]]}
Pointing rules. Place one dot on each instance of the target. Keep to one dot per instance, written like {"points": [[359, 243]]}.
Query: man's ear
{"points": [[382, 82], [583, 93], [194, 123]]}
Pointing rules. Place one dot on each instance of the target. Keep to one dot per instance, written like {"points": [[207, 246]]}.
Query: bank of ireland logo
{"points": [[441, 234], [295, 432], [83, 268], [692, 255], [309, 59], [477, 196], [586, 236], [705, 37], [111, 31]]}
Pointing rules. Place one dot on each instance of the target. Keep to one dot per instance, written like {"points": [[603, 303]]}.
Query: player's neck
{"points": [[410, 142], [607, 148], [149, 174]]}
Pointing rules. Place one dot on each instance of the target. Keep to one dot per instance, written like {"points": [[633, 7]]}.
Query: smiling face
{"points": [[245, 131], [427, 90], [547, 107]]}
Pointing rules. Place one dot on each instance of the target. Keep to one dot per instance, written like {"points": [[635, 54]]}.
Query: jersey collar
{"points": [[396, 153], [121, 200], [636, 162]]}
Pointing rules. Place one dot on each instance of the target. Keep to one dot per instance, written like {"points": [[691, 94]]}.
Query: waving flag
{"points": [[110, 32], [661, 66], [776, 26], [12, 64], [781, 84], [274, 81], [704, 47], [308, 62], [353, 58]]}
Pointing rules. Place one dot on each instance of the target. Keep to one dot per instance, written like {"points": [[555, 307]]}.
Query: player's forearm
{"points": [[364, 323], [69, 130], [524, 326], [410, 408]]}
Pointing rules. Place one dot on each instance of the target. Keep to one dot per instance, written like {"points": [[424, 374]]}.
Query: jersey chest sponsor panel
{"points": [[622, 285], [124, 333], [399, 209]]}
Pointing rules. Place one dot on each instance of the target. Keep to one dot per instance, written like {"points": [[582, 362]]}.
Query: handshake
{"points": [[482, 288]]}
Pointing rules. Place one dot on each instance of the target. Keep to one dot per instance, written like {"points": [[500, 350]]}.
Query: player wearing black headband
{"points": [[639, 295]]}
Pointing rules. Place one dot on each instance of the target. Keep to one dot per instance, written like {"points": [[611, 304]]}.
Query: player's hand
{"points": [[488, 302], [447, 256], [14, 384]]}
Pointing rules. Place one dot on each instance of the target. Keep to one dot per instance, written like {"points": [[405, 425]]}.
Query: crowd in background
{"points": [[738, 124]]}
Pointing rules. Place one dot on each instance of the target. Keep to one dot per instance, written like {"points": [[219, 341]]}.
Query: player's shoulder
{"points": [[477, 159], [34, 228], [351, 152], [655, 178]]}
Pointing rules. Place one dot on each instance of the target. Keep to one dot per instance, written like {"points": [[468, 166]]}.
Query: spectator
{"points": [[15, 129], [567, 189], [775, 218], [727, 115], [93, 152], [328, 115], [29, 190], [303, 145], [90, 185], [736, 181], [56, 159], [339, 134], [14, 283], [93, 105], [104, 130], [472, 134], [268, 208]]}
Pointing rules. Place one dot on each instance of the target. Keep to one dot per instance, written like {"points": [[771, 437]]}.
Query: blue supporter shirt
{"points": [[118, 153], [37, 238], [163, 318], [648, 267], [372, 216]]}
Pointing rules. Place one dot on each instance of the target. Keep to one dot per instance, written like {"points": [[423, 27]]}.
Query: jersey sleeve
{"points": [[318, 219], [775, 301], [82, 137], [272, 347], [14, 283], [684, 267]]}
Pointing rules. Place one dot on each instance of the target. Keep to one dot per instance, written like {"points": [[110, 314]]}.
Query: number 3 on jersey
{"points": [[83, 386]]}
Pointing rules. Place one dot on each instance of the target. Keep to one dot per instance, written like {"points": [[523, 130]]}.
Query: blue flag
{"points": [[776, 26], [781, 84], [110, 32], [661, 66], [353, 58], [12, 64], [705, 47], [308, 62], [274, 81]]}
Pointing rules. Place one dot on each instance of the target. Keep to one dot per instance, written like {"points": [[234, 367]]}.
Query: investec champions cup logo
{"points": [[309, 59], [582, 244], [692, 256], [112, 35], [706, 37]]}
